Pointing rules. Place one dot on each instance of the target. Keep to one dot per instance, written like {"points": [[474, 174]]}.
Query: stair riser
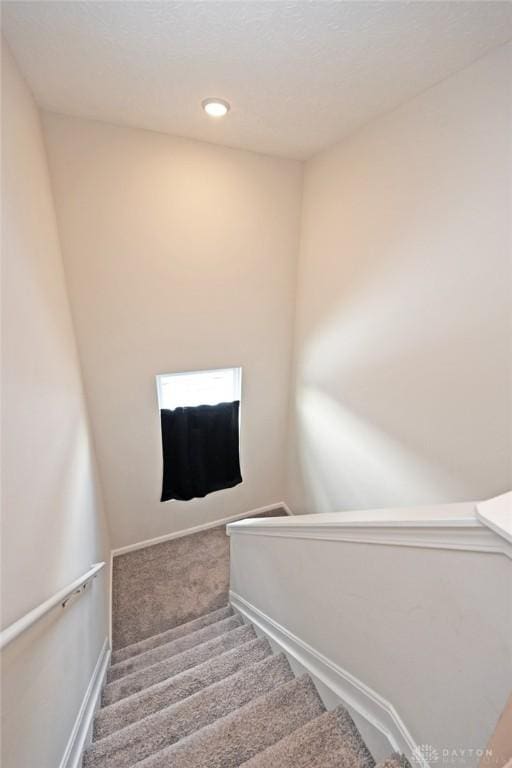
{"points": [[134, 708], [147, 677], [329, 741], [173, 634], [154, 655], [158, 731], [236, 738]]}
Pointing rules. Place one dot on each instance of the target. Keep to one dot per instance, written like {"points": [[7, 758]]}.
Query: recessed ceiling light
{"points": [[215, 107]]}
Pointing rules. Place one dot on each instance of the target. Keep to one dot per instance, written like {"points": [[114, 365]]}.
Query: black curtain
{"points": [[200, 446]]}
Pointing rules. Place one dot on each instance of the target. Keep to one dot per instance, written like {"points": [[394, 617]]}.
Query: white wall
{"points": [[52, 521], [402, 389], [179, 256], [427, 629]]}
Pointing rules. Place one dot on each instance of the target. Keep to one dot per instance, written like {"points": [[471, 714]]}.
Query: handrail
{"points": [[463, 511], [442, 526], [62, 597], [497, 514]]}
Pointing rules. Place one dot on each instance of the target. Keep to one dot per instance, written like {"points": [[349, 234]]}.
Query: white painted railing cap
{"points": [[445, 526], [496, 513]]}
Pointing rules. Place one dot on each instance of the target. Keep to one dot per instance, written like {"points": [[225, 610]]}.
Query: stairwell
{"points": [[210, 694]]}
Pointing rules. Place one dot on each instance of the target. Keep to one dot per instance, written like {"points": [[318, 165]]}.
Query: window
{"points": [[222, 385], [200, 421]]}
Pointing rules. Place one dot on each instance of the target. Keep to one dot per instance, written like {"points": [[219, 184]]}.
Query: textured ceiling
{"points": [[299, 75]]}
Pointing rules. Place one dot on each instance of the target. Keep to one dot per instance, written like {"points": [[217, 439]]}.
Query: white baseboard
{"points": [[82, 729], [348, 689], [110, 595], [198, 528]]}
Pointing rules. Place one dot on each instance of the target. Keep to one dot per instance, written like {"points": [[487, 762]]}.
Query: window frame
{"points": [[175, 374]]}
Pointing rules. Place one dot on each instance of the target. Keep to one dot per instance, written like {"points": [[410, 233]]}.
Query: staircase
{"points": [[211, 694]]}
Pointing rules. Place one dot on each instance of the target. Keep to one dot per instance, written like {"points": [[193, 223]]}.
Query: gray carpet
{"points": [[172, 634], [141, 679], [329, 741], [169, 725], [126, 711], [185, 577], [233, 739], [165, 651], [210, 694]]}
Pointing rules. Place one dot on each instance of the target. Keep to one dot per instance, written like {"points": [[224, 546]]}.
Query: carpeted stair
{"points": [[210, 694]]}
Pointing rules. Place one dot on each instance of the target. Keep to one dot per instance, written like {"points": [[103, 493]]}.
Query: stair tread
{"points": [[134, 649], [157, 731], [395, 760], [236, 738], [133, 708], [178, 645], [330, 741], [143, 678]]}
